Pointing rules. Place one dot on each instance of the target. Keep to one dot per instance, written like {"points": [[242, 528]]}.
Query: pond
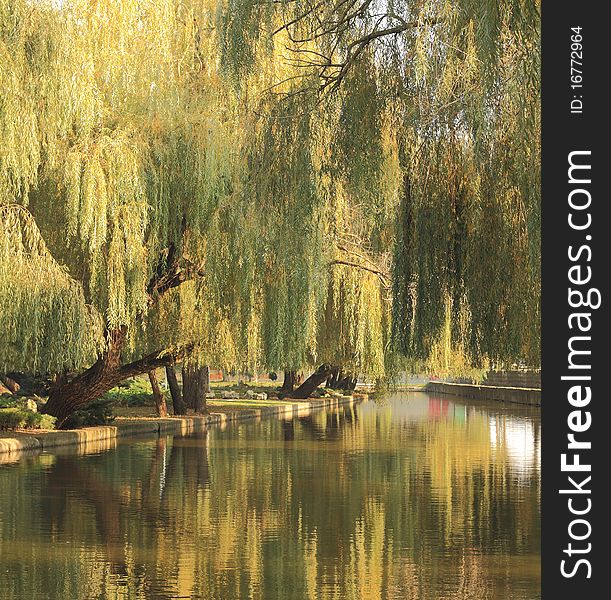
{"points": [[410, 496]]}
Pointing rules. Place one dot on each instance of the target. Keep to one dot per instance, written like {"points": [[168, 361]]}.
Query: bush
{"points": [[11, 418], [48, 422], [7, 402], [34, 420], [17, 418], [98, 412], [133, 392]]}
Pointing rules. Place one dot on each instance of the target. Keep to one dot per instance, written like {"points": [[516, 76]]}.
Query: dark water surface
{"points": [[410, 497]]}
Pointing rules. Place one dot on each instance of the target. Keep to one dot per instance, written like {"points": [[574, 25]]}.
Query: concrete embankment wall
{"points": [[514, 395], [15, 442], [510, 379]]}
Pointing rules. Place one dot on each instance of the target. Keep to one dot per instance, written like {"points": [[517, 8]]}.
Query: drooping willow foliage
{"points": [[469, 224], [40, 303], [117, 138], [437, 131], [325, 181]]}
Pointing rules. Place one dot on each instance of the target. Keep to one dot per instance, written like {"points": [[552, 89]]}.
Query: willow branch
{"points": [[384, 278], [151, 361]]}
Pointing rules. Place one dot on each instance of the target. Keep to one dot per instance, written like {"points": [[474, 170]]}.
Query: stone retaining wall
{"points": [[514, 395]]}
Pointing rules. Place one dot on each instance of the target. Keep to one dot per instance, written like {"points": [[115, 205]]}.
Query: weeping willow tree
{"points": [[164, 233], [116, 179], [469, 230], [432, 123], [266, 185], [323, 284], [282, 181]]}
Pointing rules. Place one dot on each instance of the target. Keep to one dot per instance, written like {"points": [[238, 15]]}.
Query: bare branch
{"points": [[384, 278]]}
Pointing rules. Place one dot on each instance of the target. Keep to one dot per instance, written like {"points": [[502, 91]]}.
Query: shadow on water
{"points": [[415, 496]]}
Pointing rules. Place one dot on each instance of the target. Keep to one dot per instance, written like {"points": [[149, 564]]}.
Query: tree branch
{"points": [[161, 358], [170, 273], [384, 278], [333, 23]]}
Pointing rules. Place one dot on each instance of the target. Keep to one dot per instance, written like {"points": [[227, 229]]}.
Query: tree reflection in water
{"points": [[416, 497]]}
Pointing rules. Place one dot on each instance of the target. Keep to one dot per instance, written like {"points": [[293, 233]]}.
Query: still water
{"points": [[411, 496]]}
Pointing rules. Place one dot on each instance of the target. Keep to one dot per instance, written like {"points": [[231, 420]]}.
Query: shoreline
{"points": [[37, 441]]}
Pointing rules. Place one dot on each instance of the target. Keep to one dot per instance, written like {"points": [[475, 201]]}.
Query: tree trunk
{"points": [[346, 382], [160, 405], [195, 380], [333, 379], [66, 397], [203, 382], [206, 388], [177, 401], [290, 379], [312, 382], [10, 384], [103, 375], [349, 384], [340, 380], [189, 386]]}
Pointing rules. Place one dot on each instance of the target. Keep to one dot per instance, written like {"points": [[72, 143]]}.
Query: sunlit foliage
{"points": [[432, 110], [40, 302], [324, 182], [130, 154]]}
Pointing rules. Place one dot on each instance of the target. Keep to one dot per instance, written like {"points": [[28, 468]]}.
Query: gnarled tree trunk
{"points": [[160, 405], [348, 383], [66, 397], [203, 384], [206, 379], [333, 378], [10, 384], [195, 380], [290, 380], [341, 380], [312, 382], [175, 391], [189, 386]]}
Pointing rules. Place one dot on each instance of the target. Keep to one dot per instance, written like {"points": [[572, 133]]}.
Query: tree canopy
{"points": [[270, 184]]}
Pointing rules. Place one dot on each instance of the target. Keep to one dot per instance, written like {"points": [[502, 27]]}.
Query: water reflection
{"points": [[413, 497]]}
